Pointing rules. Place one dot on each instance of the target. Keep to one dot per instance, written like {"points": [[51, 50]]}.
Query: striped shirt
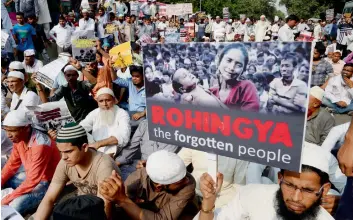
{"points": [[344, 30]]}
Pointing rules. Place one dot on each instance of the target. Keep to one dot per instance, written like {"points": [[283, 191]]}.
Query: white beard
{"points": [[107, 116]]}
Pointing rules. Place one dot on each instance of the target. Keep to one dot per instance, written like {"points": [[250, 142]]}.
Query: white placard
{"points": [[179, 9], [48, 73]]}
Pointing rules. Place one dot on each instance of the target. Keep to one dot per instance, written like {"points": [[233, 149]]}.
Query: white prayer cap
{"points": [[16, 65], [315, 156], [29, 52], [105, 90], [16, 118], [338, 51], [84, 10], [218, 17], [252, 34], [317, 92], [262, 16], [69, 67], [64, 54], [16, 74], [230, 21], [120, 15], [276, 18], [247, 20], [187, 61], [165, 167]]}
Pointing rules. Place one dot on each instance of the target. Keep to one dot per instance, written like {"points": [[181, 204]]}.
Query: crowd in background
{"points": [[106, 158]]}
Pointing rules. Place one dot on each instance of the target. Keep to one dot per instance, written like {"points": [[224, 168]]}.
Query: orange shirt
{"points": [[39, 158]]}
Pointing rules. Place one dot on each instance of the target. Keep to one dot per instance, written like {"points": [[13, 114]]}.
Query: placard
{"points": [[84, 46], [179, 9], [226, 13], [330, 13], [254, 119], [121, 55], [47, 74]]}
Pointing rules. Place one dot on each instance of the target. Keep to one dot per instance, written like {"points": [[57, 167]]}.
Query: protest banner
{"points": [[47, 74], [121, 55], [51, 115], [183, 35], [179, 9], [305, 36], [171, 35], [145, 39], [83, 46], [233, 122], [226, 15], [330, 13], [111, 28], [190, 29]]}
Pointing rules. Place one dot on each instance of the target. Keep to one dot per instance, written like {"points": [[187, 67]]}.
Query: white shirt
{"points": [[124, 75], [285, 34], [86, 25], [120, 129], [337, 67], [28, 98], [303, 27], [318, 32], [337, 90], [62, 35], [233, 170], [33, 69], [102, 20], [218, 27], [255, 202], [336, 135], [162, 26]]}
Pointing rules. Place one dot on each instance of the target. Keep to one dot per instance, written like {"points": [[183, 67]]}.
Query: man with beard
{"points": [[297, 197], [76, 94], [162, 190], [109, 124], [284, 89], [261, 28], [86, 23], [79, 164]]}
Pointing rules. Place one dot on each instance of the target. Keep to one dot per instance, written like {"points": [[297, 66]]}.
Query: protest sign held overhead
{"points": [[83, 46], [218, 106], [330, 13], [121, 55], [48, 73], [179, 9]]}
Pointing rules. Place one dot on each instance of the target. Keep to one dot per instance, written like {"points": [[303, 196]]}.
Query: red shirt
{"points": [[39, 158], [243, 95]]}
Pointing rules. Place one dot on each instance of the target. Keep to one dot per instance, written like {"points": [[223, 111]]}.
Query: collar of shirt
{"points": [[23, 93]]}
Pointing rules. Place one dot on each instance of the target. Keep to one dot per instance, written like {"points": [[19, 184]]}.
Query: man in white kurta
{"points": [[261, 28], [109, 124], [296, 195]]}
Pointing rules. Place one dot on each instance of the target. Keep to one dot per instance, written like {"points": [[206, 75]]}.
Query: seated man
{"points": [[162, 190], [297, 195], [76, 94], [137, 95], [39, 156], [319, 121], [284, 89], [21, 97], [83, 166], [31, 65], [339, 92], [337, 63]]}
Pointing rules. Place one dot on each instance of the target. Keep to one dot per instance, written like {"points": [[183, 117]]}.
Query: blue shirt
{"points": [[137, 98], [24, 35]]}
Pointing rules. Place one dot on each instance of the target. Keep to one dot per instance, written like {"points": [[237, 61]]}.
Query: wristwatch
{"points": [[208, 211]]}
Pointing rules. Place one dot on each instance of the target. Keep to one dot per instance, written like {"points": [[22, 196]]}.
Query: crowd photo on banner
{"points": [[140, 109]]}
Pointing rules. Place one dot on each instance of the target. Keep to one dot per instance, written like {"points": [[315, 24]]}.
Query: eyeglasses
{"points": [[307, 193]]}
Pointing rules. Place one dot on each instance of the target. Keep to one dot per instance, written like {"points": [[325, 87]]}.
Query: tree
{"points": [[307, 8]]}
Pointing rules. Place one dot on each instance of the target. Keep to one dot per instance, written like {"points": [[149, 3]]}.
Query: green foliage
{"points": [[307, 8]]}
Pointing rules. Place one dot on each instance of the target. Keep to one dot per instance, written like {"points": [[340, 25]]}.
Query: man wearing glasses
{"points": [[298, 195]]}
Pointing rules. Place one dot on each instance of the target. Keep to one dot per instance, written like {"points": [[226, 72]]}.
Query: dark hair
{"points": [[159, 61], [133, 16], [348, 64], [61, 17], [5, 62], [176, 85], [20, 13], [320, 47], [292, 17], [260, 55], [235, 46], [260, 78], [111, 15], [31, 16], [79, 142], [291, 56], [324, 177], [101, 8], [136, 69]]}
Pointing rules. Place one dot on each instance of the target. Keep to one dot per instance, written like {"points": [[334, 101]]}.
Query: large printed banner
{"points": [[171, 35], [83, 46], [212, 100], [179, 9]]}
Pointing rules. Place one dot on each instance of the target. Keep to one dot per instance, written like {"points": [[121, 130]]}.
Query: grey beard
{"points": [[107, 116]]}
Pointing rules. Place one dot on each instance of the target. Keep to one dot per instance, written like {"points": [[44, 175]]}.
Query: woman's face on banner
{"points": [[252, 70], [149, 74], [232, 64]]}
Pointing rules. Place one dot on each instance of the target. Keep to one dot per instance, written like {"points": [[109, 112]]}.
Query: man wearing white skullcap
{"points": [[170, 189], [30, 63], [319, 120], [21, 96], [86, 23], [39, 157], [336, 62], [297, 195], [110, 127], [76, 94], [261, 27], [16, 65]]}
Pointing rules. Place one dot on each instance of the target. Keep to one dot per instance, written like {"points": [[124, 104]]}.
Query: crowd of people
{"points": [[106, 155]]}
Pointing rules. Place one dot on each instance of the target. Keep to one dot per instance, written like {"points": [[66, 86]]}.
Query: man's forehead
{"points": [[12, 128], [304, 179]]}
